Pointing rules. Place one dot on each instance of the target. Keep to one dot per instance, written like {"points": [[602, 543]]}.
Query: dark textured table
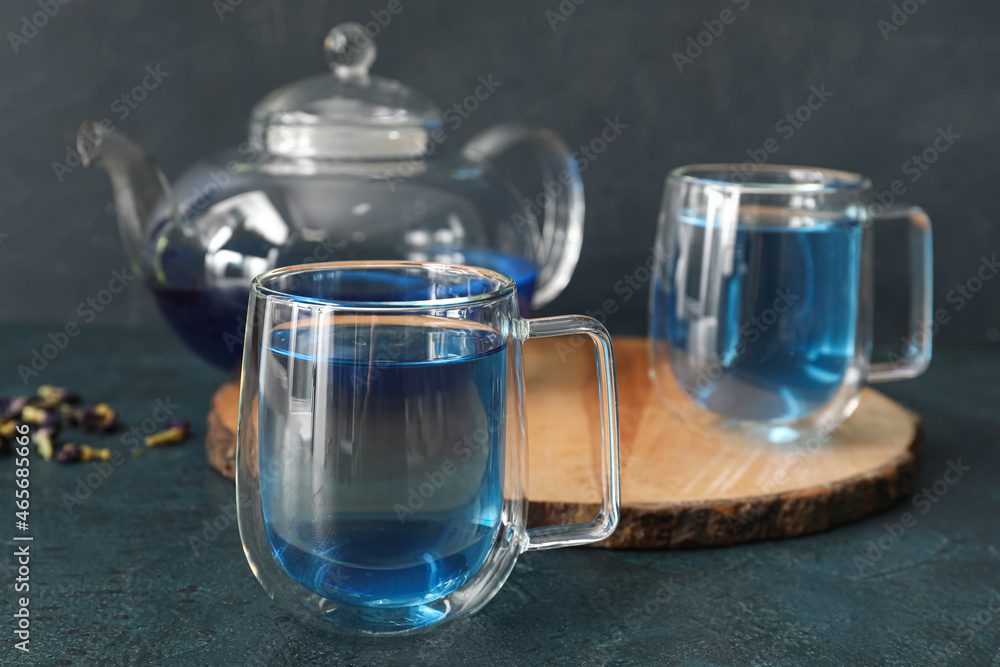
{"points": [[143, 565]]}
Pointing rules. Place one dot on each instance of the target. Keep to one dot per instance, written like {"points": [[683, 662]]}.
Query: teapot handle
{"points": [[561, 236]]}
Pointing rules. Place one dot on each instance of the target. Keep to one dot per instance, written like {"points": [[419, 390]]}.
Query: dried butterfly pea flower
{"points": [[43, 442], [41, 418], [176, 431], [53, 396], [8, 434], [88, 453], [11, 406], [46, 412], [8, 429], [100, 418], [73, 416], [34, 415], [71, 453]]}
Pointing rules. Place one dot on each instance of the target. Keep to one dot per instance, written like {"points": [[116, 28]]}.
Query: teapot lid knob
{"points": [[350, 51], [345, 114]]}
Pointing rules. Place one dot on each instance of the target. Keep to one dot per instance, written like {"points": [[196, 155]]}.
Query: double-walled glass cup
{"points": [[381, 449], [761, 306]]}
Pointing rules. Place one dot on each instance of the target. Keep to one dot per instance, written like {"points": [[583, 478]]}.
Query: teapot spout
{"points": [[141, 191]]}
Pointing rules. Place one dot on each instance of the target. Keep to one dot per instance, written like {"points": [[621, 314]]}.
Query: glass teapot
{"points": [[339, 166]]}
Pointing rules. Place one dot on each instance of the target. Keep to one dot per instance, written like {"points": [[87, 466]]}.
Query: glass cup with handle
{"points": [[381, 448], [761, 305]]}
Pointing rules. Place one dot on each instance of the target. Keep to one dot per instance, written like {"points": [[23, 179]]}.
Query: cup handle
{"points": [[601, 526], [917, 345]]}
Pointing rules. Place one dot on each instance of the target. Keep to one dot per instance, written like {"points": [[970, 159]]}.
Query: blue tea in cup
{"points": [[381, 441], [760, 317]]}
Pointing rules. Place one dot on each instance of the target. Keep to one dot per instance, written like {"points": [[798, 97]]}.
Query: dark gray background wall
{"points": [[940, 69]]}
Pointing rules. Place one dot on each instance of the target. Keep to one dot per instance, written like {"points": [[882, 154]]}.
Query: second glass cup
{"points": [[381, 450], [761, 306]]}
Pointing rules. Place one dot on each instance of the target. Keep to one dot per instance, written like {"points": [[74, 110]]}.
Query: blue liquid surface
{"points": [[773, 341], [522, 270], [212, 321], [388, 452]]}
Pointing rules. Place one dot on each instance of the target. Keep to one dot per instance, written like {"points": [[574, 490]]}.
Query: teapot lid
{"points": [[347, 113]]}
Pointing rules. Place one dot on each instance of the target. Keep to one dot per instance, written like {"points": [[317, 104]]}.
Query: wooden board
{"points": [[220, 441], [679, 489]]}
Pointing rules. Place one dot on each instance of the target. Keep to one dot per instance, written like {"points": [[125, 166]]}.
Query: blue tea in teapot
{"points": [[339, 166]]}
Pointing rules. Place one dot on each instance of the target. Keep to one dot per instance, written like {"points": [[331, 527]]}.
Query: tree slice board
{"points": [[220, 441], [679, 489]]}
